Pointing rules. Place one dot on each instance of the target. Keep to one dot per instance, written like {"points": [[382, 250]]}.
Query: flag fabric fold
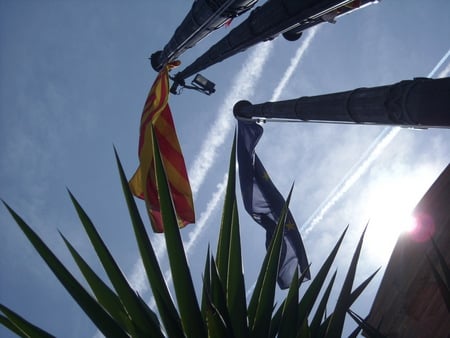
{"points": [[264, 203], [143, 185]]}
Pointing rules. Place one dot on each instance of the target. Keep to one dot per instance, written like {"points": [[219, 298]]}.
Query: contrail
{"points": [[360, 167], [439, 64], [444, 72], [294, 63], [357, 170], [250, 290], [138, 278], [243, 85], [204, 216]]}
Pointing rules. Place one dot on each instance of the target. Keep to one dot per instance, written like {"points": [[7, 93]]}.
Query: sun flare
{"points": [[390, 206]]}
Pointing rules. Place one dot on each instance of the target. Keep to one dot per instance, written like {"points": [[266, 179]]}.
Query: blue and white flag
{"points": [[264, 203]]}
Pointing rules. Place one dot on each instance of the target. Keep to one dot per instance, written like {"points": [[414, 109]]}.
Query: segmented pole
{"points": [[419, 103]]}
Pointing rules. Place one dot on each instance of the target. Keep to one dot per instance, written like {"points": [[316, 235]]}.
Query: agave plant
{"points": [[222, 311]]}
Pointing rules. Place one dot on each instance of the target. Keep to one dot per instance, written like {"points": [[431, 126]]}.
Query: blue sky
{"points": [[74, 77]]}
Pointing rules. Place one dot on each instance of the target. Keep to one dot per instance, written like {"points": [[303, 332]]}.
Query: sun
{"points": [[390, 205]]}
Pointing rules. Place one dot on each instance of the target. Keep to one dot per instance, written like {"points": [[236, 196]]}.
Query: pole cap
{"points": [[240, 110]]}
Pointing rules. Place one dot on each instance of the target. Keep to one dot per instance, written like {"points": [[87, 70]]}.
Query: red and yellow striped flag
{"points": [[143, 184]]}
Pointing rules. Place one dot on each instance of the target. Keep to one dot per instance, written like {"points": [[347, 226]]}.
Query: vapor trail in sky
{"points": [[204, 216], [357, 170], [248, 293], [370, 155], [439, 64], [138, 277], [294, 63], [444, 72], [243, 86]]}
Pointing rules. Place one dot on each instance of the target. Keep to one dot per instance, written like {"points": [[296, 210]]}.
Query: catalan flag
{"points": [[264, 203], [143, 185]]}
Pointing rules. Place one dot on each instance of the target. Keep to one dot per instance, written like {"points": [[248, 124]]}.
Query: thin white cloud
{"points": [[250, 290], [444, 72], [372, 153], [204, 216], [138, 277], [309, 35], [352, 176], [439, 64], [243, 86]]}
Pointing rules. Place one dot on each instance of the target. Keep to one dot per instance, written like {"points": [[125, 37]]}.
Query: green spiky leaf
{"points": [[206, 290], [266, 284], [144, 323], [166, 307], [10, 325], [21, 326], [218, 300], [343, 303], [215, 323], [368, 329], [311, 294], [107, 325], [288, 322], [357, 292], [321, 308], [228, 258], [223, 245], [191, 317], [276, 319], [236, 295], [105, 296]]}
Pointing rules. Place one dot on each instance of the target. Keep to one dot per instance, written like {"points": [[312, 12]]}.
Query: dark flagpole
{"points": [[274, 17], [418, 103]]}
